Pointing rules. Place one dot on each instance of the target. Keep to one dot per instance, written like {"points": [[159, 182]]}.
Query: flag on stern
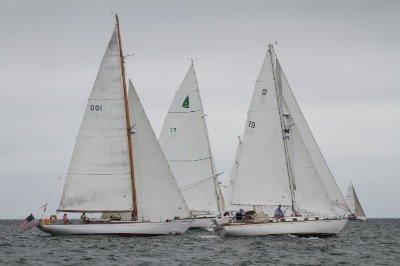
{"points": [[28, 223]]}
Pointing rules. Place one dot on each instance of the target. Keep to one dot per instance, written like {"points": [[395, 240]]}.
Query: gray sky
{"points": [[342, 59]]}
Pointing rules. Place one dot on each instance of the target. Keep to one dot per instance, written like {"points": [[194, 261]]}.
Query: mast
{"points": [[283, 128], [128, 123]]}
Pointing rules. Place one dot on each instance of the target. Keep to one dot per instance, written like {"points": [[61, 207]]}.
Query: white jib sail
{"points": [[184, 140], [158, 195], [98, 177], [262, 174], [353, 202], [316, 189]]}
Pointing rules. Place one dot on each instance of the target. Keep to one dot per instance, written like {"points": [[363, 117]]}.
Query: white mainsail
{"points": [[280, 162], [261, 176], [354, 203], [158, 195], [184, 140], [98, 177]]}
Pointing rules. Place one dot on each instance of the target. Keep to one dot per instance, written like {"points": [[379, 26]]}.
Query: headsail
{"points": [[158, 195], [98, 177], [184, 139]]}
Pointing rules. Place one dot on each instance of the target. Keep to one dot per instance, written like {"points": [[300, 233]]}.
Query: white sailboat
{"points": [[279, 163], [357, 212], [185, 142], [118, 165]]}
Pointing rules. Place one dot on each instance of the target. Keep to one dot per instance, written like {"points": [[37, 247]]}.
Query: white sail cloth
{"points": [[184, 140], [353, 202], [98, 177], [158, 195], [272, 172]]}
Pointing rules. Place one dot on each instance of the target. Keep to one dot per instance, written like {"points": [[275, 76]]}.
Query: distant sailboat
{"points": [[184, 140], [278, 162], [113, 164], [357, 212]]}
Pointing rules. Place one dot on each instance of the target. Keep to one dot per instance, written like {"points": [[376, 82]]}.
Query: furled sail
{"points": [[98, 177], [184, 139], [158, 195]]}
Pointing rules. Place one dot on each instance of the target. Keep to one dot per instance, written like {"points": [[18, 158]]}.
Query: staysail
{"points": [[158, 195], [98, 178], [184, 139], [280, 162]]}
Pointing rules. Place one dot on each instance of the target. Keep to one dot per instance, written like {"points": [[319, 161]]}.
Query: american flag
{"points": [[28, 223]]}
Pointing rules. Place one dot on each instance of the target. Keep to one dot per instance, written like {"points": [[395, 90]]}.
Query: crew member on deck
{"points": [[279, 213], [84, 218], [65, 219]]}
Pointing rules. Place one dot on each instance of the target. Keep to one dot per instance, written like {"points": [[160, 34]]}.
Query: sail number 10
{"points": [[97, 107]]}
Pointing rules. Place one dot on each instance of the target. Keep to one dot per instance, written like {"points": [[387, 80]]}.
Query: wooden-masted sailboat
{"points": [[185, 142], [118, 165], [278, 162], [357, 212]]}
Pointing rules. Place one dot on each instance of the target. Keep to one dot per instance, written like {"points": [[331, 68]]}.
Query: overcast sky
{"points": [[342, 60]]}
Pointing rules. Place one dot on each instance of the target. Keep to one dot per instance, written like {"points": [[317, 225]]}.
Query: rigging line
{"points": [[198, 181], [196, 160]]}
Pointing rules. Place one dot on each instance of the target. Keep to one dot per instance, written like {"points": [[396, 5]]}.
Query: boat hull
{"points": [[324, 227], [203, 223], [118, 228]]}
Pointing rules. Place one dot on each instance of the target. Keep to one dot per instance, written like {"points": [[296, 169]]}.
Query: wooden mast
{"points": [[128, 123]]}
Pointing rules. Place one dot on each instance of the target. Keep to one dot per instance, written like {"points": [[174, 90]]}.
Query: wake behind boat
{"points": [[278, 162], [113, 164]]}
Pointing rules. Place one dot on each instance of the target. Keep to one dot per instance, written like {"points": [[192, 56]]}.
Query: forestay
{"points": [[158, 195], [98, 177], [184, 140]]}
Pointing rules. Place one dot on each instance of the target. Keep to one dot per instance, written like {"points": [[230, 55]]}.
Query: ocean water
{"points": [[373, 242]]}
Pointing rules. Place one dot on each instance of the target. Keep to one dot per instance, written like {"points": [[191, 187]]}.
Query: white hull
{"points": [[118, 228], [205, 223], [310, 227]]}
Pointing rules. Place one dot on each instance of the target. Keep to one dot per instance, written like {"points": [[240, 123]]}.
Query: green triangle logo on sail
{"points": [[185, 103]]}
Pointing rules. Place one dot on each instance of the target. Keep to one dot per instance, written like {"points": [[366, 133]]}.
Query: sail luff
{"points": [[213, 169], [278, 87], [131, 165]]}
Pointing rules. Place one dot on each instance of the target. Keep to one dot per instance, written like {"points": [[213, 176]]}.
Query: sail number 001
{"points": [[96, 107]]}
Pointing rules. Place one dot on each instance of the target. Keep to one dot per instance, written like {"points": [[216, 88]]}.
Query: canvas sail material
{"points": [[354, 203], [262, 174], [184, 140], [98, 177], [296, 171], [158, 195], [316, 188]]}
